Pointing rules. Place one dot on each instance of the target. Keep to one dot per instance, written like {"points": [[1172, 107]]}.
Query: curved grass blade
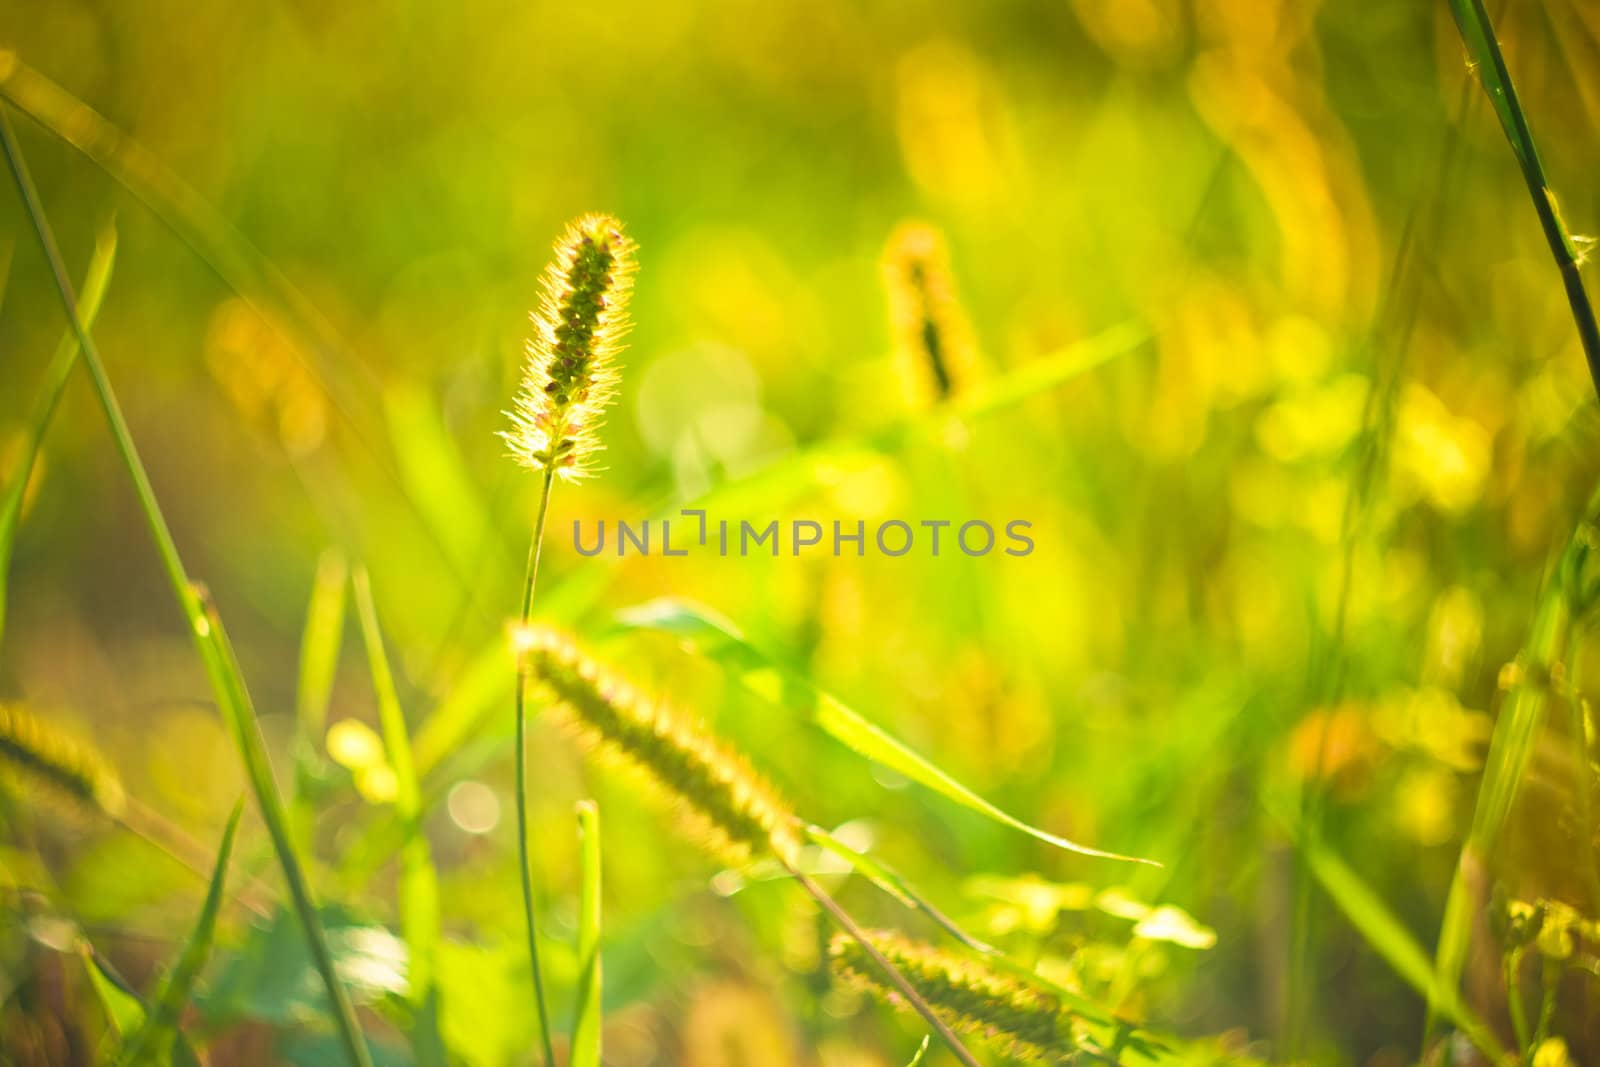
{"points": [[211, 642], [1516, 731], [59, 373], [153, 1042], [1390, 939], [319, 661], [891, 882], [419, 882], [587, 1013], [922, 1051], [718, 640], [1477, 33]]}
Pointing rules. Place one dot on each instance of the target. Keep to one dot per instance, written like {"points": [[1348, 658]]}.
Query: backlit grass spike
{"points": [[971, 998], [737, 813], [571, 375], [44, 762], [932, 337]]}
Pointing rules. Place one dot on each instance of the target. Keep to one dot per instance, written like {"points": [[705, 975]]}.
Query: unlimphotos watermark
{"points": [[796, 537]]}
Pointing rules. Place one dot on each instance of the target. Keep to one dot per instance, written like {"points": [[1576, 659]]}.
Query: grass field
{"points": [[1014, 532]]}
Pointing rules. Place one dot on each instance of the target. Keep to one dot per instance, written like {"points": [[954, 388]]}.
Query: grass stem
{"points": [[524, 859], [205, 628]]}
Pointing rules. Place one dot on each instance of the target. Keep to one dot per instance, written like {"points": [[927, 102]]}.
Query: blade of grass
{"points": [[319, 661], [922, 1051], [1477, 33], [587, 1014], [153, 1041], [55, 384], [123, 1009], [1390, 939], [719, 641], [1516, 730], [216, 654], [419, 881], [435, 475]]}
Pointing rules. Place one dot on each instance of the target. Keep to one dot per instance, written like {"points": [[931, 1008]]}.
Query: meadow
{"points": [[811, 535]]}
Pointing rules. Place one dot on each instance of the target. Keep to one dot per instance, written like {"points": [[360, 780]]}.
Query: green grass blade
{"points": [[152, 1043], [222, 669], [122, 1007], [319, 662], [1391, 940], [922, 1051], [718, 640], [95, 280], [436, 477], [419, 881], [1516, 731], [587, 1013], [1477, 33]]}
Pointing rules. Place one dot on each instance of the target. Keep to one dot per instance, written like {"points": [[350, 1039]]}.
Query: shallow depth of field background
{"points": [[1235, 175]]}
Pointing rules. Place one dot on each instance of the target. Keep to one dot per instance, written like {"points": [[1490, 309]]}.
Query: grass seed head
{"points": [[571, 375], [971, 998], [932, 337], [735, 811], [43, 762]]}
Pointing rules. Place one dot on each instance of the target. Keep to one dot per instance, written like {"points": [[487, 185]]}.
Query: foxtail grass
{"points": [[569, 378], [737, 816], [211, 642], [1026, 1022], [932, 337], [732, 811], [40, 759]]}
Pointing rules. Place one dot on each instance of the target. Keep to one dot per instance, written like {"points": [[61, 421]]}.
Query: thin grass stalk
{"points": [[419, 882], [524, 857], [588, 1011], [205, 628], [1397, 312], [319, 662], [1477, 33]]}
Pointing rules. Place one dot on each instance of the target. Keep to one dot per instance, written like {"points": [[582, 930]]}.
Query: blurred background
{"points": [[1283, 549]]}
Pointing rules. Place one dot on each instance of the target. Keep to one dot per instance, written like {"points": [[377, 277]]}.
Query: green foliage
{"points": [[1238, 304], [153, 1041], [721, 642]]}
